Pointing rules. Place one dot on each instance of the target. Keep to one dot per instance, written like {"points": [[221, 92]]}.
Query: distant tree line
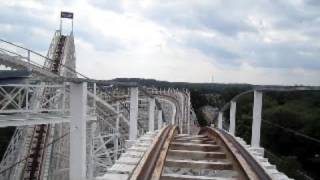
{"points": [[290, 126]]}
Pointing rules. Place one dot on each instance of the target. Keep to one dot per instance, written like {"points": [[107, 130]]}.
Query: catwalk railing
{"points": [[91, 122], [111, 130]]}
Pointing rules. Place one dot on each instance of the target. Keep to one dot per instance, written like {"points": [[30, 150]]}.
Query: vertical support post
{"points": [[64, 98], [116, 142], [29, 63], [220, 118], [188, 112], [94, 99], [159, 119], [151, 114], [93, 127], [60, 25], [182, 122], [174, 112], [256, 124], [133, 130], [78, 111], [72, 26], [233, 110], [27, 97]]}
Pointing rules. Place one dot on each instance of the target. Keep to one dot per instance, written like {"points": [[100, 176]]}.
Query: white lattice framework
{"points": [[47, 102]]}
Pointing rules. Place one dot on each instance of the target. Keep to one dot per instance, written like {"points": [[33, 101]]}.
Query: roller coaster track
{"points": [[137, 147], [33, 166], [33, 161], [211, 155]]}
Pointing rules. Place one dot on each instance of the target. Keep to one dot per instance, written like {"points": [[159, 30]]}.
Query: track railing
{"points": [[152, 164], [212, 150]]}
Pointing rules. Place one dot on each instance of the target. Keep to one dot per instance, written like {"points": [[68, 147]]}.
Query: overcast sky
{"points": [[247, 41]]}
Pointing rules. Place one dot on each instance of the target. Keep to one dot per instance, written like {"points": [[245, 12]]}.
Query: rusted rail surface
{"points": [[151, 162], [213, 154], [250, 168]]}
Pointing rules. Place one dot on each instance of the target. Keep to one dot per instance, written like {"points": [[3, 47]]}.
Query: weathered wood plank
{"points": [[194, 147], [199, 164], [187, 177], [196, 155]]}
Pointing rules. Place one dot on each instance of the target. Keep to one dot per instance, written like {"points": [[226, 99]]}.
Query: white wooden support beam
{"points": [[116, 141], [174, 112], [151, 114], [159, 119], [256, 124], [188, 113], [90, 170], [220, 118], [182, 120], [134, 100], [233, 110], [78, 110], [94, 99]]}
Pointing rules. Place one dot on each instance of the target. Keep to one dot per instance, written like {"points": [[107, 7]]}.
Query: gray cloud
{"points": [[285, 56], [19, 16], [208, 16], [24, 23], [111, 5], [213, 48], [101, 43], [231, 18], [263, 34]]}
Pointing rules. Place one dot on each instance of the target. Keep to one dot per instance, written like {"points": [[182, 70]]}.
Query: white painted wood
{"points": [[232, 128], [134, 100], [78, 110], [116, 143], [256, 124], [159, 119], [151, 114], [191, 177], [220, 118]]}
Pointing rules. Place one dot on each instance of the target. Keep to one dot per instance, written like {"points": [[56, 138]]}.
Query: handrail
{"points": [[29, 51], [22, 57], [39, 55], [44, 57], [271, 88], [245, 161]]}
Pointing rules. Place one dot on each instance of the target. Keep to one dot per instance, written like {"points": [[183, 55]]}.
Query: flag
{"points": [[66, 15]]}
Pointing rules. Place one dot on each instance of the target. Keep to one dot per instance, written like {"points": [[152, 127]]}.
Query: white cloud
{"points": [[6, 28], [148, 47], [268, 76], [165, 63]]}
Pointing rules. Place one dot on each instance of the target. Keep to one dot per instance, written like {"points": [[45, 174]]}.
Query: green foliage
{"points": [[293, 154], [288, 164], [291, 120], [297, 111]]}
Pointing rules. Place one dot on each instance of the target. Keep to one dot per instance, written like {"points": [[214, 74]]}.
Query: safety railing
{"points": [[30, 57], [17, 98]]}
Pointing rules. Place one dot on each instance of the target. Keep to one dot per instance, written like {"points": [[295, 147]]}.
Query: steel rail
{"points": [[152, 163], [248, 164]]}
